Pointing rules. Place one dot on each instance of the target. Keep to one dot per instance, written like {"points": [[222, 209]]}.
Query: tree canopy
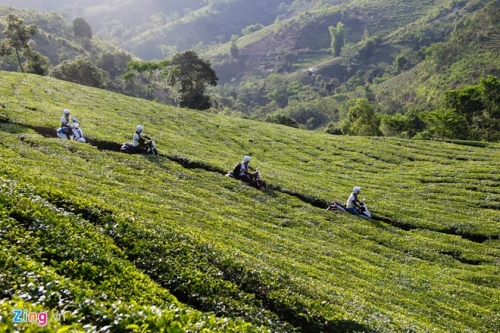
{"points": [[363, 119], [36, 63], [80, 71], [479, 106], [81, 28], [190, 75], [17, 37], [338, 36]]}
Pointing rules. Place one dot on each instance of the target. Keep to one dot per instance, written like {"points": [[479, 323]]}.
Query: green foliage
{"points": [[223, 18], [115, 63], [312, 114], [363, 119], [456, 57], [406, 125], [283, 120], [80, 71], [466, 102], [55, 40], [148, 66], [190, 77], [234, 51], [290, 37], [479, 107], [401, 63], [244, 41], [424, 135], [368, 48], [280, 95], [490, 87], [81, 29], [251, 28], [36, 63], [391, 55], [338, 35], [89, 264], [16, 39], [333, 129], [445, 122], [349, 56], [396, 125], [146, 78]]}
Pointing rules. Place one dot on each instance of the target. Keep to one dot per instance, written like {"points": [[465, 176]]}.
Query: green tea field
{"points": [[102, 241]]}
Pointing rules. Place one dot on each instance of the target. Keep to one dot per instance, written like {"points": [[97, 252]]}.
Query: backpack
{"points": [[236, 170]]}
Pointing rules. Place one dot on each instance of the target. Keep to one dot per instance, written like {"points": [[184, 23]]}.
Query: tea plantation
{"points": [[109, 242]]}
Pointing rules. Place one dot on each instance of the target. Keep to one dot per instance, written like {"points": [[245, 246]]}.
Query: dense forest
{"points": [[345, 67]]}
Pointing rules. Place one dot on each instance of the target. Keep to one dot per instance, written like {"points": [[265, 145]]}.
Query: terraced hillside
{"points": [[137, 243], [309, 29]]}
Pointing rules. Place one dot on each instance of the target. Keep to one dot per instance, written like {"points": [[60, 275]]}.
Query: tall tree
{"points": [[17, 37], [338, 35], [349, 57], [480, 106], [280, 95], [406, 125], [445, 122], [115, 63], [234, 51], [127, 77], [363, 119], [189, 76], [81, 28], [466, 102], [150, 74], [490, 90], [395, 125], [36, 63]]}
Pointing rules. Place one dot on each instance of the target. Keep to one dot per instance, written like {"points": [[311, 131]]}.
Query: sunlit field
{"points": [[141, 243]]}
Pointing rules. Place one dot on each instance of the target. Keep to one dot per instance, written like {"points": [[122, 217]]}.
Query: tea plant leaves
{"points": [[112, 238]]}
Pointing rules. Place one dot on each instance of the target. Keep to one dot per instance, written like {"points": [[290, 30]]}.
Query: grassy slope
{"points": [[408, 269]]}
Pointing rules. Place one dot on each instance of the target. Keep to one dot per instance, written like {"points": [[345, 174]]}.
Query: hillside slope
{"points": [[214, 23], [428, 261], [403, 57], [469, 52]]}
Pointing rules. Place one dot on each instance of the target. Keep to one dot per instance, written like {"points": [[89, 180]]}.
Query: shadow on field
{"points": [[189, 163], [12, 128], [4, 119], [192, 164]]}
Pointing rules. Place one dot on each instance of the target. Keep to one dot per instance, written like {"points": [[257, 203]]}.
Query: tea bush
{"points": [[152, 231]]}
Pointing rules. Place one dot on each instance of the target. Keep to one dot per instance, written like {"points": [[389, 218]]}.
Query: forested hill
{"points": [[155, 29], [94, 240], [401, 57]]}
